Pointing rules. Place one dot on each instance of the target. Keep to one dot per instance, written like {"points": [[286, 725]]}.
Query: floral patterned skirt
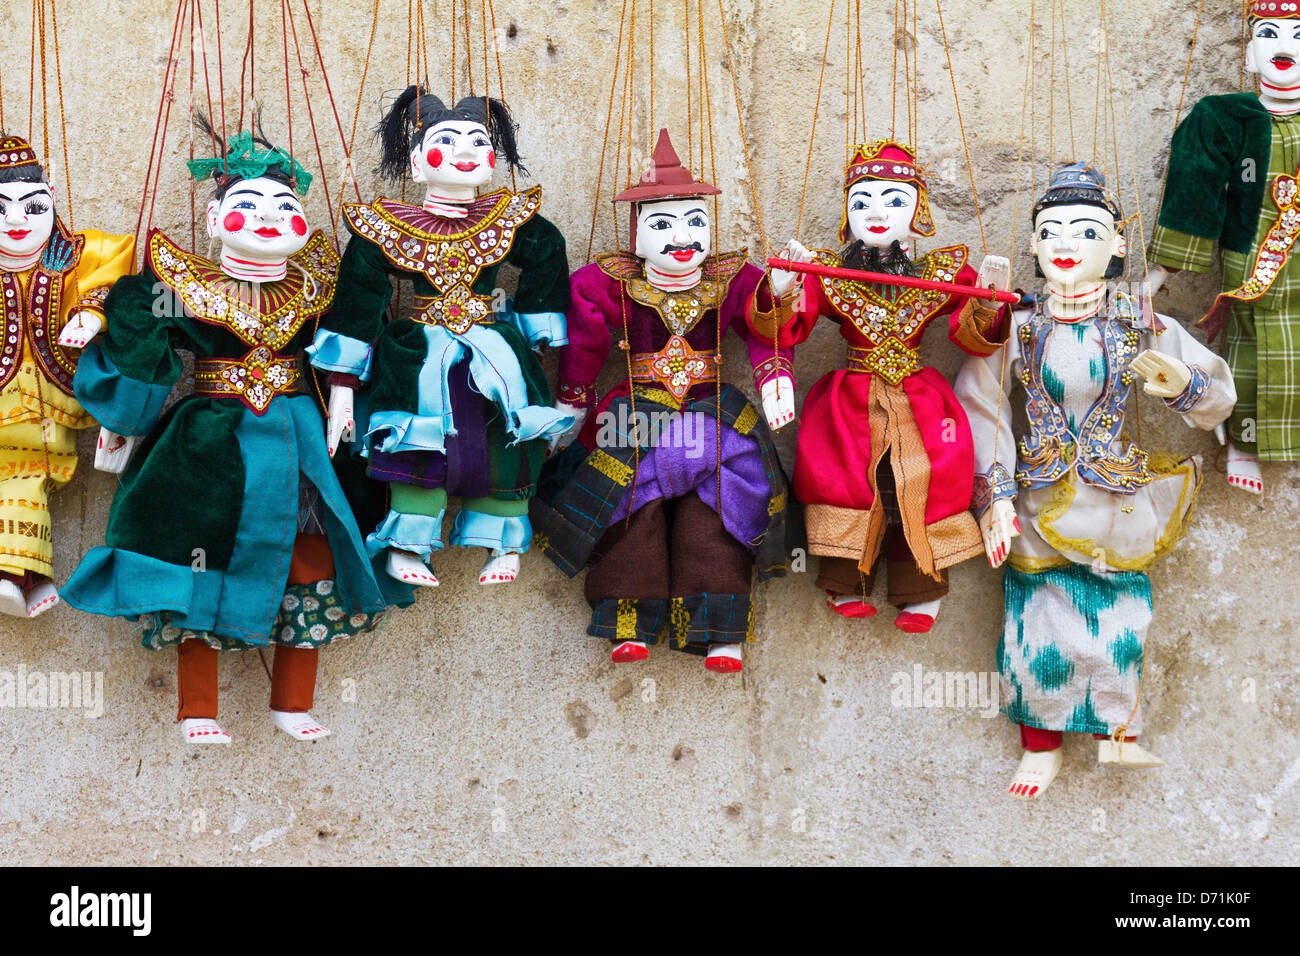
{"points": [[311, 615]]}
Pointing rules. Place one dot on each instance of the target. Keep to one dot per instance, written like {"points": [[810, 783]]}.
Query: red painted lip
{"points": [[878, 230], [267, 232], [466, 167], [683, 255], [18, 233], [1065, 263], [1283, 62]]}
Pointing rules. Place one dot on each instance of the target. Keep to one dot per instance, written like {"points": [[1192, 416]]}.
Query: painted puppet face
{"points": [[260, 220], [880, 212], [26, 217], [1274, 53], [672, 235], [454, 154], [1074, 245]]}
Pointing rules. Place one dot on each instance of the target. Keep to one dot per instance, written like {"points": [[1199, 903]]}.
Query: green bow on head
{"points": [[247, 160]]}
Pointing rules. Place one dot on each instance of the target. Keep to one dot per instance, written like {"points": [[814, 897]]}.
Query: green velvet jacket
{"points": [[1218, 171], [386, 231]]}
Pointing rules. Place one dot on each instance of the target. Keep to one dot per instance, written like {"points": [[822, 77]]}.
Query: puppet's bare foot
{"points": [[299, 726], [500, 569], [1243, 471], [203, 730], [41, 598], [12, 600], [724, 658], [1126, 754], [408, 566], [1038, 768], [918, 618], [849, 605], [629, 651]]}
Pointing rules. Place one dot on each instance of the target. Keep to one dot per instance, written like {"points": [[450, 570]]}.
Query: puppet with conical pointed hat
{"points": [[672, 494]]}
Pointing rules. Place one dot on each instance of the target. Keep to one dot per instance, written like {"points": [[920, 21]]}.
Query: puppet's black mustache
{"points": [[668, 250]]}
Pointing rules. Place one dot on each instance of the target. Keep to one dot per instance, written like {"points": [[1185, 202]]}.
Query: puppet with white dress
{"points": [[1073, 506]]}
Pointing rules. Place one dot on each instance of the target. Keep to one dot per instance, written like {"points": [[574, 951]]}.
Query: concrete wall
{"points": [[485, 726]]}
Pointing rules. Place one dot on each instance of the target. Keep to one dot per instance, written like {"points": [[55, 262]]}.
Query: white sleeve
{"points": [[1209, 397], [983, 386]]}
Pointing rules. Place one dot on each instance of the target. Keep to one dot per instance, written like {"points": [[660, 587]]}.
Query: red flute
{"points": [[883, 278]]}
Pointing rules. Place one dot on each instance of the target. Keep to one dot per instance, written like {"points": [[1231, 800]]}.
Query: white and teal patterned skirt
{"points": [[1071, 649]]}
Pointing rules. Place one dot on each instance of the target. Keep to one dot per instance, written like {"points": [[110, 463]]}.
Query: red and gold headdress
{"points": [[16, 151], [886, 159], [1275, 9], [666, 178]]}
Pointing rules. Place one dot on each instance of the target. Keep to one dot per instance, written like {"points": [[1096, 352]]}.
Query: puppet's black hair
{"points": [[1079, 196], [415, 111], [223, 181]]}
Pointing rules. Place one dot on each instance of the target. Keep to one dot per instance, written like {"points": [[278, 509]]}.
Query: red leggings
{"points": [[1035, 738], [293, 673]]}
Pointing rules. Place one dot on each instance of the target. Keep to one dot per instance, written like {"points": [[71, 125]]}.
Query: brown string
{"points": [[160, 123], [329, 92], [311, 119], [952, 75], [63, 121], [604, 146], [356, 114], [812, 137]]}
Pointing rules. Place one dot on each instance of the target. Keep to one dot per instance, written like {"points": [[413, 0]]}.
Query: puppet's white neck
{"points": [[451, 202], [1280, 101], [10, 263], [1072, 305], [245, 270], [672, 281]]}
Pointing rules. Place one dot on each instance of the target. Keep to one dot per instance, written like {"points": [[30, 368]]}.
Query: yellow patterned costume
{"points": [[37, 408]]}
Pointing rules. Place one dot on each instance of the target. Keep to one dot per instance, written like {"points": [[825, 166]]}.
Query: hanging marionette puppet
{"points": [[884, 462], [458, 403], [672, 492], [54, 283], [229, 529], [1232, 181], [1077, 510]]}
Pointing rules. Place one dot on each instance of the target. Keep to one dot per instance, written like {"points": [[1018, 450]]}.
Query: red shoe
{"points": [[723, 665], [914, 623], [629, 651], [850, 609]]}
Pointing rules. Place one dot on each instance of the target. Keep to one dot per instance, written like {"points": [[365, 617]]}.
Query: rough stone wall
{"points": [[482, 725]]}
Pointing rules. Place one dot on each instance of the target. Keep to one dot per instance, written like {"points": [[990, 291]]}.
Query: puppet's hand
{"points": [[113, 451], [999, 525], [81, 328], [995, 273], [782, 279], [1166, 376], [565, 438], [778, 401], [1156, 279], [341, 421]]}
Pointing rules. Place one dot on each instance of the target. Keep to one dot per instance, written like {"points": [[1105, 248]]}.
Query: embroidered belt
{"points": [[891, 360], [677, 367], [255, 379], [458, 310]]}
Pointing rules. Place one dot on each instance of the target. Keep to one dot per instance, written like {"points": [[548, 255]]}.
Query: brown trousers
{"points": [[906, 583], [675, 548], [293, 670]]}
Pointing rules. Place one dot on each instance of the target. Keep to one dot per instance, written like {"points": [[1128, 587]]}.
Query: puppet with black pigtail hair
{"points": [[457, 401], [230, 529]]}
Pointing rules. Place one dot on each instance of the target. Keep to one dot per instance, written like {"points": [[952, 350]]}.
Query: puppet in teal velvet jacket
{"points": [[457, 402], [1232, 184], [230, 529]]}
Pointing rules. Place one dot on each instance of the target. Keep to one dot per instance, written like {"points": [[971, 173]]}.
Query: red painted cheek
{"points": [[234, 222], [299, 225], [435, 158], [492, 159]]}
